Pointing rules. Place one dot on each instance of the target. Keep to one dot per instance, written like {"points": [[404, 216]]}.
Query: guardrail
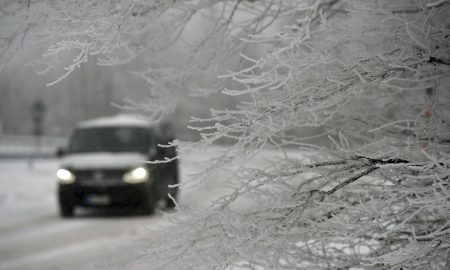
{"points": [[16, 146]]}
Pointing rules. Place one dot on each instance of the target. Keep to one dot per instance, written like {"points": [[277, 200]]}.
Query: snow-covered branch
{"points": [[368, 186]]}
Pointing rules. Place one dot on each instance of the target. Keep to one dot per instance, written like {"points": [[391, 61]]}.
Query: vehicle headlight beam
{"points": [[137, 175], [65, 176]]}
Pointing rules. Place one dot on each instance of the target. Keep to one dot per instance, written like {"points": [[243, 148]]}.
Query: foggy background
{"points": [[89, 92]]}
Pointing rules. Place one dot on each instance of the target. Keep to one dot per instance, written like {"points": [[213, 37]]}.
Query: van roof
{"points": [[121, 120]]}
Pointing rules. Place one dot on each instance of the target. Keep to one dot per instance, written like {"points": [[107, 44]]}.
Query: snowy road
{"points": [[34, 237]]}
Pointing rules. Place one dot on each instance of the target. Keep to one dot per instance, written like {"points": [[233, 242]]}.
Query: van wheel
{"points": [[66, 210], [147, 207]]}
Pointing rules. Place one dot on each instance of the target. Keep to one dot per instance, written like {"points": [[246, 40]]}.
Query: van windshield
{"points": [[110, 139]]}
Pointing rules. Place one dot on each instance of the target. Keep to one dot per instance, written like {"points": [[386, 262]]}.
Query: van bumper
{"points": [[105, 195]]}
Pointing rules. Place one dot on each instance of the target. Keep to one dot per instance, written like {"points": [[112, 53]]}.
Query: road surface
{"points": [[34, 237]]}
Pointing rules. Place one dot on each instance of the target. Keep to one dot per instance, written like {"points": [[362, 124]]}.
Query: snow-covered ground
{"points": [[23, 146], [34, 237]]}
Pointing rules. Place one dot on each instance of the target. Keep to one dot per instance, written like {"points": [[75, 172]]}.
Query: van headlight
{"points": [[65, 176], [137, 175]]}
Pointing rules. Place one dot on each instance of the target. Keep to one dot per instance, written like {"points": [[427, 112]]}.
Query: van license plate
{"points": [[98, 199]]}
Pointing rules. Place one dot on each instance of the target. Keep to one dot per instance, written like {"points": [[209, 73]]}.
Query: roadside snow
{"points": [[26, 188], [34, 237]]}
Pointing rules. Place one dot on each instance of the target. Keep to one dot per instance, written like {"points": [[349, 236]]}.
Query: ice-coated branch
{"points": [[377, 194], [346, 100]]}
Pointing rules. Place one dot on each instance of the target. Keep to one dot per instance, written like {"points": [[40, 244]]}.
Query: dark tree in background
{"points": [[370, 189]]}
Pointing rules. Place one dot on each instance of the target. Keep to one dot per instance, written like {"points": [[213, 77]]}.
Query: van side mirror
{"points": [[157, 152], [60, 152], [153, 152]]}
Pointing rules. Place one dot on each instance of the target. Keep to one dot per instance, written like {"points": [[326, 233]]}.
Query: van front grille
{"points": [[99, 174]]}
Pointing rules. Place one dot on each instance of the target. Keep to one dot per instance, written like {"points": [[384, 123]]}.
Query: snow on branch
{"points": [[371, 190], [348, 98]]}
